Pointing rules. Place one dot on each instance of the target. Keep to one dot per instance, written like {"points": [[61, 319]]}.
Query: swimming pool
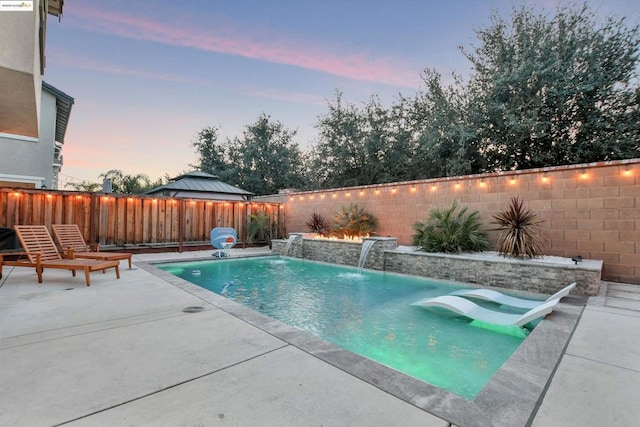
{"points": [[368, 313]]}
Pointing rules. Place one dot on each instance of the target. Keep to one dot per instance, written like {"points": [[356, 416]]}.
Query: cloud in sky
{"points": [[231, 41], [67, 59]]}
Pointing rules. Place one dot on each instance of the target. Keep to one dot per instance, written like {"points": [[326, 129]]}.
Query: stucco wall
{"points": [[591, 210], [28, 157]]}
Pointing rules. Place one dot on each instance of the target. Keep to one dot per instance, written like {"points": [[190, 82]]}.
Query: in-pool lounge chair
{"points": [[41, 253], [500, 298], [472, 310], [69, 236]]}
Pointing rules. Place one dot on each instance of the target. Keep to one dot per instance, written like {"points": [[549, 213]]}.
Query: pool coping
{"points": [[511, 397]]}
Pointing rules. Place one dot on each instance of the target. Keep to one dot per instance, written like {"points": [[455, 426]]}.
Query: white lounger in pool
{"points": [[500, 298], [474, 311]]}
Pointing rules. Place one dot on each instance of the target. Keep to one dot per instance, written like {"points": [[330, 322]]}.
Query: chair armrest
{"points": [[69, 253]]}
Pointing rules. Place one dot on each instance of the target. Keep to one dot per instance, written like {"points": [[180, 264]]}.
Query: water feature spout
{"points": [[290, 240], [366, 248]]}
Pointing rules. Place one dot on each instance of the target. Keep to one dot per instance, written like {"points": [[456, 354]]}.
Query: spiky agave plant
{"points": [[450, 231], [518, 231], [353, 221], [317, 224]]}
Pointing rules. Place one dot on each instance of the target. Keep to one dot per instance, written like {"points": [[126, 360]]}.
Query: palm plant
{"points": [[450, 231], [352, 221], [259, 228], [317, 224], [519, 232]]}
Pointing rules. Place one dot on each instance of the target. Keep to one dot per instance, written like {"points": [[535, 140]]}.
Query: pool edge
{"points": [[511, 397]]}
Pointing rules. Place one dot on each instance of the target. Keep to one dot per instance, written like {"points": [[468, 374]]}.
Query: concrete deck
{"points": [[122, 352]]}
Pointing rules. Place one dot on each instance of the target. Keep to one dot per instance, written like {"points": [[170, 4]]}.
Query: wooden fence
{"points": [[133, 220]]}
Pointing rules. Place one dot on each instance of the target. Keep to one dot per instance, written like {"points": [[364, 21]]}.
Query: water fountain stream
{"points": [[366, 248], [290, 240]]}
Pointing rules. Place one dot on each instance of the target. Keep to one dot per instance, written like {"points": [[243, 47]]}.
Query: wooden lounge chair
{"points": [[69, 237], [41, 252]]}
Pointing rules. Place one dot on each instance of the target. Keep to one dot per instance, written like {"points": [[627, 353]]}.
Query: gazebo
{"points": [[201, 185]]}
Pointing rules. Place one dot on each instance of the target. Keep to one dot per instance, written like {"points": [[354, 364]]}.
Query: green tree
{"points": [[84, 186], [211, 155], [554, 91], [445, 138], [127, 184], [266, 159], [338, 156], [360, 146]]}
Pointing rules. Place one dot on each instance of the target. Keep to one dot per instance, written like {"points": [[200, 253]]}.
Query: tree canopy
{"points": [[263, 161], [544, 90], [554, 91]]}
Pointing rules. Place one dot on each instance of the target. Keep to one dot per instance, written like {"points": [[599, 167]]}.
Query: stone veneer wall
{"points": [[592, 210], [336, 251], [533, 276]]}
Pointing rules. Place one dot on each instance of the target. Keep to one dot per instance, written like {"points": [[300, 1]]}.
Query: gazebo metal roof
{"points": [[201, 185]]}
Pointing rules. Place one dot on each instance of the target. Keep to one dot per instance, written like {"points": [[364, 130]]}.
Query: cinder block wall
{"points": [[592, 210]]}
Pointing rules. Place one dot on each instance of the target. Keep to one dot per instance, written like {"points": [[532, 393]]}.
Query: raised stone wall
{"points": [[336, 251], [531, 276]]}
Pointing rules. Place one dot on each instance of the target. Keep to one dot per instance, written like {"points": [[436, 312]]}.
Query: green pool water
{"points": [[368, 313]]}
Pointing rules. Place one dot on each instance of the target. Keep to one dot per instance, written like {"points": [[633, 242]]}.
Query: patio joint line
{"points": [[603, 363], [171, 386], [107, 328]]}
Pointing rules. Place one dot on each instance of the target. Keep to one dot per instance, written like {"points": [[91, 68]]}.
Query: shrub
{"points": [[451, 232], [519, 231], [353, 221], [317, 224], [259, 228]]}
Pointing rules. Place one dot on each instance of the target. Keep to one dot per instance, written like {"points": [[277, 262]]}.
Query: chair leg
{"points": [[130, 262], [87, 275], [39, 267], [117, 267]]}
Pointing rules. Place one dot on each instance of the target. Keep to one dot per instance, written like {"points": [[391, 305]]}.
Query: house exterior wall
{"points": [[30, 160], [592, 210], [20, 77]]}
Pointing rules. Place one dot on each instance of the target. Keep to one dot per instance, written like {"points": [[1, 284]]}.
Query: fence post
{"points": [[180, 224], [93, 220]]}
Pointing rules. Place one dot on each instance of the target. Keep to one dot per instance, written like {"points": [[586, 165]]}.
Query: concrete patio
{"points": [[123, 352]]}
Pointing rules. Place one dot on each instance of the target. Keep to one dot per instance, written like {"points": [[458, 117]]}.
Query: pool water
{"points": [[368, 313]]}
